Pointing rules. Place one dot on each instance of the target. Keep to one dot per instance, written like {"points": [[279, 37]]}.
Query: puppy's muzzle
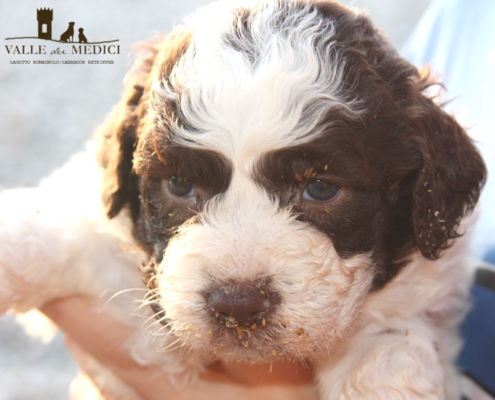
{"points": [[241, 305]]}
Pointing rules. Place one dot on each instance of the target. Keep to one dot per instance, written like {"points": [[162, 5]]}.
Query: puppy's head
{"points": [[280, 162]]}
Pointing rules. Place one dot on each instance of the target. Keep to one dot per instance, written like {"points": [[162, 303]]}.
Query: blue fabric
{"points": [[477, 358], [490, 254]]}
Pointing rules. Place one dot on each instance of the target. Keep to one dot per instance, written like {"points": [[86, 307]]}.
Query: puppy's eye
{"points": [[319, 190], [181, 187]]}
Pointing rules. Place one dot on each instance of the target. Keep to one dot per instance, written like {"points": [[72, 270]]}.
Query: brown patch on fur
{"points": [[119, 134]]}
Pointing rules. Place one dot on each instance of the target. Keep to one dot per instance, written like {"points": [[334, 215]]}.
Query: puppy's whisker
{"points": [[120, 293], [149, 301], [151, 322], [172, 346]]}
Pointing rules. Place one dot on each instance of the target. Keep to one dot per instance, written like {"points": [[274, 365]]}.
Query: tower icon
{"points": [[45, 18]]}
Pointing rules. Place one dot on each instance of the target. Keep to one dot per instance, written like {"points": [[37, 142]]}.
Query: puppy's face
{"points": [[280, 163]]}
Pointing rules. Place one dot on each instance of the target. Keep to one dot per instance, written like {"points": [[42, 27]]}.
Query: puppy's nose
{"points": [[240, 305]]}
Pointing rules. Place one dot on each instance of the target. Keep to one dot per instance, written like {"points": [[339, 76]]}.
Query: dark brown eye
{"points": [[319, 190], [181, 187]]}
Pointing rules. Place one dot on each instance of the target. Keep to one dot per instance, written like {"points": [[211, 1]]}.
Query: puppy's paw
{"points": [[396, 363], [50, 251], [17, 247], [28, 249]]}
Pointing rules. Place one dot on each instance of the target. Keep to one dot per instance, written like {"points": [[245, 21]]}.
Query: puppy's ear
{"points": [[118, 136], [120, 133], [450, 181]]}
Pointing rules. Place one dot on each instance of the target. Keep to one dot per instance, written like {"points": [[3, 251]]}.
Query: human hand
{"points": [[92, 333]]}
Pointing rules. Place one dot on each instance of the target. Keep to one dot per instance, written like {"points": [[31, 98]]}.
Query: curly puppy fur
{"points": [[292, 193]]}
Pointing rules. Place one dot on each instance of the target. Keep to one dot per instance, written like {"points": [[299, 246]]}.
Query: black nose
{"points": [[241, 305]]}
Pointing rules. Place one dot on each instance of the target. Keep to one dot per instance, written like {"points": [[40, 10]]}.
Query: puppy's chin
{"points": [[259, 345]]}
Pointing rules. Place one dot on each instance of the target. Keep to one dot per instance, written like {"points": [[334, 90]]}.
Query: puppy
{"points": [[68, 35], [290, 192]]}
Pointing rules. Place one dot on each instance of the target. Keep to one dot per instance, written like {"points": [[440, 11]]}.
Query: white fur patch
{"points": [[243, 107]]}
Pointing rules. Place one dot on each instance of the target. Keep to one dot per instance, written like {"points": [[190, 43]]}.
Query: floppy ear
{"points": [[120, 133], [118, 136], [450, 181]]}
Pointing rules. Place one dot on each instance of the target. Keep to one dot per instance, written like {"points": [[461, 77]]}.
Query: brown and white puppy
{"points": [[294, 194]]}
